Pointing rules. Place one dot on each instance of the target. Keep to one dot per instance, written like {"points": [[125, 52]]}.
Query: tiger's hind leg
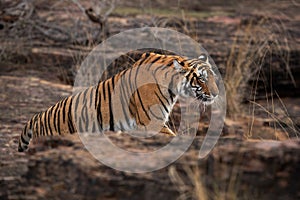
{"points": [[167, 131]]}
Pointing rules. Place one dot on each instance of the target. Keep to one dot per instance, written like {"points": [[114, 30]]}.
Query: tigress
{"points": [[120, 104]]}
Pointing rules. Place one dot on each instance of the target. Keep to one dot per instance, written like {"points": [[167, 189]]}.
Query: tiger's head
{"points": [[200, 79]]}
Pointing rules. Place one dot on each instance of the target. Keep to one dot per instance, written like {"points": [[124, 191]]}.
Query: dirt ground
{"points": [[257, 156]]}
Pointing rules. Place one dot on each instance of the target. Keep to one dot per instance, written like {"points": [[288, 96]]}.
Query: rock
{"points": [[260, 170]]}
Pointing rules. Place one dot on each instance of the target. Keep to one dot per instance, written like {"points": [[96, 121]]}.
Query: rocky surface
{"points": [[260, 170]]}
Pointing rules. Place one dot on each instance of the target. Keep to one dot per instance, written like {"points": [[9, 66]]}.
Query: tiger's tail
{"points": [[56, 120], [26, 136]]}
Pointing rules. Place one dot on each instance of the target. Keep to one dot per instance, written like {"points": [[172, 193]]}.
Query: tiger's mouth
{"points": [[207, 100]]}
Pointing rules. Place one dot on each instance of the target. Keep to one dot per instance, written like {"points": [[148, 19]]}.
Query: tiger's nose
{"points": [[212, 86], [214, 91]]}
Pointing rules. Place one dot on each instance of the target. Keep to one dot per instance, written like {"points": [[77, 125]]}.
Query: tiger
{"points": [[118, 104]]}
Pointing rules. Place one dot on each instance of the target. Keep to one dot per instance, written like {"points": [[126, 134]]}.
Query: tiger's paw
{"points": [[167, 131]]}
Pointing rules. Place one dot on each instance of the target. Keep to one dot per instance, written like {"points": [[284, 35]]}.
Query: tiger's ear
{"points": [[177, 66], [203, 57]]}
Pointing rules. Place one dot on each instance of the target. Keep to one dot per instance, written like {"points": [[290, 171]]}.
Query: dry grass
{"points": [[279, 116], [191, 184], [194, 189], [245, 60], [251, 53]]}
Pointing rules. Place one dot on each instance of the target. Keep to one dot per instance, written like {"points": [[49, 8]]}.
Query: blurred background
{"points": [[255, 45]]}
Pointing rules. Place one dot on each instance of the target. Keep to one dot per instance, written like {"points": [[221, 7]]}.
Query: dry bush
{"points": [[246, 58], [255, 45], [191, 183], [27, 24], [55, 35]]}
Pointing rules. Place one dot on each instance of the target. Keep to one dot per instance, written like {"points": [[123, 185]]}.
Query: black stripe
{"points": [[71, 127], [113, 82], [96, 95], [70, 123], [99, 114], [80, 126], [76, 105], [38, 128], [49, 119], [158, 87], [172, 95], [52, 114], [168, 67], [34, 124], [93, 128], [130, 79], [41, 132], [46, 122], [166, 74], [84, 95], [30, 133], [162, 113], [143, 107], [141, 102], [140, 61], [172, 80], [126, 83], [170, 63], [103, 90], [35, 128], [147, 54], [54, 117], [131, 96], [82, 116], [162, 103], [25, 129], [58, 122], [153, 62], [23, 140], [129, 92], [111, 116], [181, 63], [124, 103], [192, 79], [86, 117], [163, 95], [31, 121], [123, 72], [148, 59], [122, 127], [42, 124], [64, 109], [132, 104], [139, 96]]}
